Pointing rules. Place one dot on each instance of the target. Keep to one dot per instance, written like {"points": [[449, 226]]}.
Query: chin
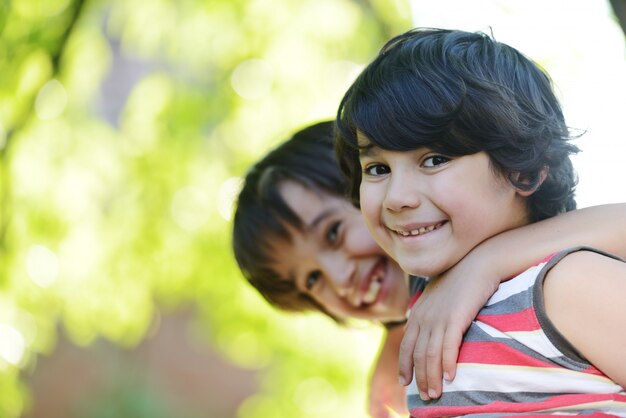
{"points": [[422, 270]]}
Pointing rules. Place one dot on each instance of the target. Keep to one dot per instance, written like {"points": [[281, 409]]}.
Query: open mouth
{"points": [[373, 291], [418, 231]]}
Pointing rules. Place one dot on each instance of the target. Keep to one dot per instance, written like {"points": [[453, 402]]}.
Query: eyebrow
{"points": [[318, 219], [367, 150]]}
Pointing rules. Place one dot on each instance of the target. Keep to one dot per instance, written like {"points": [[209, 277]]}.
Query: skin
{"points": [[428, 211], [335, 260], [592, 318], [406, 192]]}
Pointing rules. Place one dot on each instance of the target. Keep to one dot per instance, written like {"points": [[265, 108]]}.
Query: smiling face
{"points": [[335, 260], [428, 210]]}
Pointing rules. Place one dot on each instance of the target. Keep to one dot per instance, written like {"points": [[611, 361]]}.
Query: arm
{"points": [[442, 314], [385, 391], [584, 298]]}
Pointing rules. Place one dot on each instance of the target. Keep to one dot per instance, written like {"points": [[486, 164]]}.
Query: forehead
{"points": [[315, 209], [303, 201]]}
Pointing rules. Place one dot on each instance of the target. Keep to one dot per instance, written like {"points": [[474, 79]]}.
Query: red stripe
{"points": [[497, 353], [555, 402], [525, 320], [415, 298]]}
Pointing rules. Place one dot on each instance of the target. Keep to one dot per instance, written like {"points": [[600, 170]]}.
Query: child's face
{"points": [[428, 210], [336, 260]]}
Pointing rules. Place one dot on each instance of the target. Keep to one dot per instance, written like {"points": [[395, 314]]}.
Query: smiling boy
{"points": [[448, 139]]}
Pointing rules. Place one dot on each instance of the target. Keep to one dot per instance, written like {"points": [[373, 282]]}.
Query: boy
{"points": [[450, 138]]}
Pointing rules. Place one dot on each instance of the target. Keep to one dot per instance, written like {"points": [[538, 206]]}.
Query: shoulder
{"points": [[584, 295], [580, 275]]}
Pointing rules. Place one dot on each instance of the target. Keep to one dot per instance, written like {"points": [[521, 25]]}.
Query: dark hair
{"points": [[262, 215], [460, 93]]}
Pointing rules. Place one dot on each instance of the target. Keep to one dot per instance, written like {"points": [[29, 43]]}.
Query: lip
{"points": [[415, 230]]}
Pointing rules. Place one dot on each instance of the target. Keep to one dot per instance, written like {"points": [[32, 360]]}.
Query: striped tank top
{"points": [[514, 362]]}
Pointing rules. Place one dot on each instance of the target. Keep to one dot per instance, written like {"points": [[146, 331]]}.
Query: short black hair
{"points": [[262, 215], [460, 93]]}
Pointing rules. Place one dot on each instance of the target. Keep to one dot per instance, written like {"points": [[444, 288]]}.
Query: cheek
{"points": [[479, 208], [370, 206]]}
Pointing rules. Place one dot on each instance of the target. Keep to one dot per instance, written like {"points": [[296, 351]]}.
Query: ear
{"points": [[525, 180]]}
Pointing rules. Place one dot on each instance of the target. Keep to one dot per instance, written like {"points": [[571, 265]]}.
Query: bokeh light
{"points": [[12, 345], [51, 100], [42, 265], [252, 79]]}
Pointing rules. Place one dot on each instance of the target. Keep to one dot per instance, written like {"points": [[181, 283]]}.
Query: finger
{"points": [[433, 369], [405, 362], [450, 352], [420, 364]]}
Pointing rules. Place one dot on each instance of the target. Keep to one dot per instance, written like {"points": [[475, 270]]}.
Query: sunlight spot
{"points": [[51, 100], [315, 396], [190, 208], [252, 79], [226, 196], [12, 344], [42, 265]]}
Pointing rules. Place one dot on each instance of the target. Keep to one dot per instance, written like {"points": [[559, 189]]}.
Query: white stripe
{"points": [[516, 285], [481, 377], [491, 331], [608, 407], [535, 340]]}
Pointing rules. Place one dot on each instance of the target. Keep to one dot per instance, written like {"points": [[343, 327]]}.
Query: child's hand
{"points": [[437, 322]]}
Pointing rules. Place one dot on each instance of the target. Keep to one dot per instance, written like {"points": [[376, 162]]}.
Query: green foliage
{"points": [[123, 128]]}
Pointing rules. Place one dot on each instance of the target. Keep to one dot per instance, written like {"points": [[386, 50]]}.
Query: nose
{"points": [[402, 192], [339, 271]]}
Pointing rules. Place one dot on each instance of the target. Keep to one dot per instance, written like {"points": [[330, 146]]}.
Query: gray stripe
{"points": [[475, 398], [472, 398], [517, 302]]}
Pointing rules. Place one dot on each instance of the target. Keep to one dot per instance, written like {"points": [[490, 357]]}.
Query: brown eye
{"points": [[435, 160], [312, 279], [376, 170]]}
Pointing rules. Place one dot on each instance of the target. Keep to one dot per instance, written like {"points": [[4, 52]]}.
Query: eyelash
{"points": [[433, 157], [332, 234], [368, 170]]}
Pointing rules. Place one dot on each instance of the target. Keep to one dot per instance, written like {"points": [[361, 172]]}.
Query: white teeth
{"points": [[419, 231], [372, 292]]}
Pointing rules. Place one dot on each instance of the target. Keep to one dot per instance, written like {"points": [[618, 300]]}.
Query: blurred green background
{"points": [[125, 126]]}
